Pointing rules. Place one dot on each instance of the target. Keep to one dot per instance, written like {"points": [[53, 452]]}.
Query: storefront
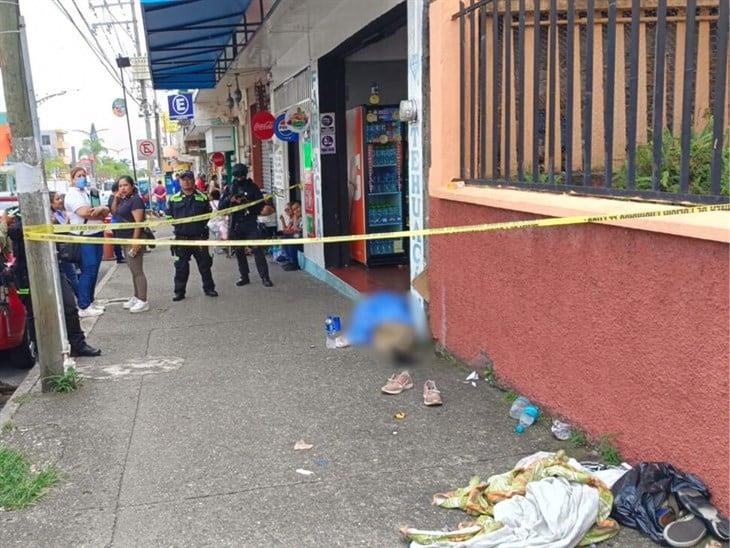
{"points": [[337, 72]]}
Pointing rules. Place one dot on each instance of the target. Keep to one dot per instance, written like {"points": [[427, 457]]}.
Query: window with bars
{"points": [[616, 97]]}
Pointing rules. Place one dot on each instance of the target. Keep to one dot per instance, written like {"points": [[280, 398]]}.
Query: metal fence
{"points": [[608, 97]]}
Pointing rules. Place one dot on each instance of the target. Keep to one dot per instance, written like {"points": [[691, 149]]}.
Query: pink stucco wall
{"points": [[618, 330]]}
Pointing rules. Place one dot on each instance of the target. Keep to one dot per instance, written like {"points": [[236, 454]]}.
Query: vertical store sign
{"points": [[327, 138], [316, 162], [309, 199], [416, 186]]}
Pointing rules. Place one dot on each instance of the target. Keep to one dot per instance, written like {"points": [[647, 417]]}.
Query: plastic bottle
{"points": [[331, 328], [527, 419], [518, 406]]}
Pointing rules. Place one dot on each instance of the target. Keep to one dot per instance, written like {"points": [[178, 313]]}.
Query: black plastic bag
{"points": [[644, 489]]}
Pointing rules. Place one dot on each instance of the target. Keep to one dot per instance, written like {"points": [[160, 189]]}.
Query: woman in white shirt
{"points": [[79, 212]]}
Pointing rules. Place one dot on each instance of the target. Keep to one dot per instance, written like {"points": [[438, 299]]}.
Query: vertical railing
{"points": [[591, 95]]}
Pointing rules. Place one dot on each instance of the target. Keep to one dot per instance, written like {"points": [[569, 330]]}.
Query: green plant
{"points": [[19, 486], [700, 163], [510, 396], [608, 451], [68, 382], [578, 439], [7, 426]]}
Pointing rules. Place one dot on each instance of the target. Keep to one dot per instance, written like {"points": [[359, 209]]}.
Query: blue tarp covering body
{"points": [[185, 38]]}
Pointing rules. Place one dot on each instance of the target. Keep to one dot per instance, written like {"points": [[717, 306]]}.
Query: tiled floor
{"points": [[368, 280]]}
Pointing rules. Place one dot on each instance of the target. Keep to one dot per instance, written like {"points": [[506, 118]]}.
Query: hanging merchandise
{"points": [[297, 119], [282, 131], [119, 107]]}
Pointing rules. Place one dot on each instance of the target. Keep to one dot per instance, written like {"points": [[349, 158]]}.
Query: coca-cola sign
{"points": [[262, 125]]}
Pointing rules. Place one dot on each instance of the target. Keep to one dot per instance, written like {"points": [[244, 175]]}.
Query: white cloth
{"points": [[75, 200], [553, 513], [268, 220]]}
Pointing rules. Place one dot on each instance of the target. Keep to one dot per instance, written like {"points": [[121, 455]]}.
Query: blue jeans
{"points": [[68, 270], [91, 255]]}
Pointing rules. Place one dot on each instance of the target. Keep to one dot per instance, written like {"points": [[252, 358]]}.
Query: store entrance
{"points": [[365, 180]]}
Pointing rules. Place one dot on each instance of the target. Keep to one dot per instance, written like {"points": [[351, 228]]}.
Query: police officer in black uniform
{"points": [[19, 271], [244, 225], [188, 203]]}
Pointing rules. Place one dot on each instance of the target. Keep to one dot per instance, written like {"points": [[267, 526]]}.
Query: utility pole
{"points": [[45, 283], [142, 83], [158, 136]]}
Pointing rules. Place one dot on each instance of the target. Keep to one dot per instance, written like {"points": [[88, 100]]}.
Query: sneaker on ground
{"points": [[98, 305], [431, 394], [140, 306], [398, 383], [130, 303], [90, 312]]}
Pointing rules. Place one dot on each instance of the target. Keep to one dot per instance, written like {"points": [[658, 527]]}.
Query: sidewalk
{"points": [[199, 450]]}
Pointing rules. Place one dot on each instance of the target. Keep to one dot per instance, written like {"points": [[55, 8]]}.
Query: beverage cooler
{"points": [[377, 183]]}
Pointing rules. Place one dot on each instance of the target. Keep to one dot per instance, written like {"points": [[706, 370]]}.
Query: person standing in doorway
{"points": [[160, 199], [244, 223], [176, 184], [79, 211], [127, 207], [188, 203]]}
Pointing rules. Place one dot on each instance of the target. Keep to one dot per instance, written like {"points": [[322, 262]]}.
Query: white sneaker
{"points": [[140, 306], [130, 303], [90, 312], [98, 305]]}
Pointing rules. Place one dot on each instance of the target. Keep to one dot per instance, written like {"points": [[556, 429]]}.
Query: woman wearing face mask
{"points": [[79, 212], [58, 217], [128, 207]]}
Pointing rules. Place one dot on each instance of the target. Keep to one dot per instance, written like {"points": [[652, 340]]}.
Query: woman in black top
{"points": [[128, 207]]}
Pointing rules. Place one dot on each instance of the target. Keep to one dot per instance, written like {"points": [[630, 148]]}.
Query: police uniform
{"points": [[74, 333], [244, 223], [180, 206]]}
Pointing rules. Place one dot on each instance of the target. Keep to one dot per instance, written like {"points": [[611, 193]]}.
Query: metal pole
{"points": [[143, 86], [45, 286], [129, 126], [158, 136]]}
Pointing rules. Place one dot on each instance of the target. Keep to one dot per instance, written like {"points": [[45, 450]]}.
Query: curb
{"points": [[33, 376]]}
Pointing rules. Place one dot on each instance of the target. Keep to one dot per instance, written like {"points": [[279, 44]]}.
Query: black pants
{"points": [[250, 233], [75, 334], [203, 258]]}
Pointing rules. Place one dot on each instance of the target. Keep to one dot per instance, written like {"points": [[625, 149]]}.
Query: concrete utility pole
{"points": [[146, 107], [45, 286]]}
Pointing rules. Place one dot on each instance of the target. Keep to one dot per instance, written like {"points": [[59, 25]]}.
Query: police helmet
{"points": [[239, 170]]}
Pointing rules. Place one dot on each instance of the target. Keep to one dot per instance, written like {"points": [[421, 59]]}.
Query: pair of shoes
{"points": [[696, 503], [140, 306], [211, 293], [85, 351], [178, 297], [100, 306], [290, 267], [130, 303], [403, 381], [243, 281], [267, 282], [90, 312]]}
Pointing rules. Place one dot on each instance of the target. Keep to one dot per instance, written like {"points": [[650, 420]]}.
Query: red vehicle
{"points": [[15, 348]]}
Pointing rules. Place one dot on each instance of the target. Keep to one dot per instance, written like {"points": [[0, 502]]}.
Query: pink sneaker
{"points": [[398, 383], [431, 394]]}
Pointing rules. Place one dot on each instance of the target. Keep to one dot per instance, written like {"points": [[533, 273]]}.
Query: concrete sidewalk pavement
{"points": [[184, 435]]}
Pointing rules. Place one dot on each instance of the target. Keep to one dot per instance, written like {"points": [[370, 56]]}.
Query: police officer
{"points": [[188, 203], [244, 223], [76, 336]]}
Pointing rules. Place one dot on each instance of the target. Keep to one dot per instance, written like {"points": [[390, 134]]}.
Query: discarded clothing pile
{"points": [[547, 499]]}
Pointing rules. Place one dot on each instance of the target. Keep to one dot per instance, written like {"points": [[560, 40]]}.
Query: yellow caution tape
{"points": [[99, 227], [45, 236]]}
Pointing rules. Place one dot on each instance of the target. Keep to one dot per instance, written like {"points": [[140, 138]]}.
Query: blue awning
{"points": [[186, 39]]}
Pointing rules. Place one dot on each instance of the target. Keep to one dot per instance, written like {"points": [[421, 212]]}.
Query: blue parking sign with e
{"points": [[180, 106]]}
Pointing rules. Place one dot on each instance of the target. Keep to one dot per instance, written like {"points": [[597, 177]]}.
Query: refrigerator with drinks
{"points": [[377, 183]]}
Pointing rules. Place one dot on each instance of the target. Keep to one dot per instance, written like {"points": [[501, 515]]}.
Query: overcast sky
{"points": [[61, 60]]}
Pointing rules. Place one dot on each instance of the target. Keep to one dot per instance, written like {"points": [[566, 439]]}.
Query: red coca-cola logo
{"points": [[262, 125]]}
